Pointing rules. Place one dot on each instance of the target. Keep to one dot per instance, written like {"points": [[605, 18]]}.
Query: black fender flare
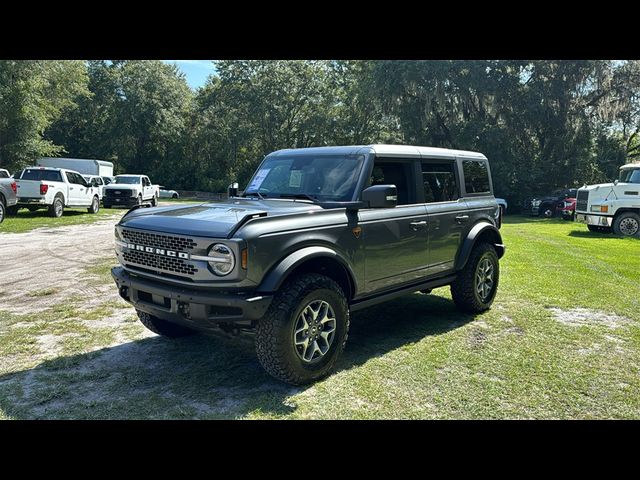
{"points": [[484, 230], [278, 274]]}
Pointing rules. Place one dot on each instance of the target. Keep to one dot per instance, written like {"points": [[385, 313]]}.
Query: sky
{"points": [[197, 71]]}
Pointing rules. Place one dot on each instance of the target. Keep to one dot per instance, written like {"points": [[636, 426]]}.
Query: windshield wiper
{"points": [[303, 196], [260, 196]]}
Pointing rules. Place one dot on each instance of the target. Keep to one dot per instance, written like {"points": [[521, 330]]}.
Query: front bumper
{"points": [[593, 219], [198, 309], [124, 201]]}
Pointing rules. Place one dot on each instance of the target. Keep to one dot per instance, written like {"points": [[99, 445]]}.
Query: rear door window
{"points": [[439, 182]]}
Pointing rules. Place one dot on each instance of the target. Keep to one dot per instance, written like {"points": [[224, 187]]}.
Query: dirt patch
{"points": [[43, 267], [577, 317]]}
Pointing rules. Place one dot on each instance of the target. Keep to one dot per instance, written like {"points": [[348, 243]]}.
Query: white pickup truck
{"points": [[55, 189], [129, 190]]}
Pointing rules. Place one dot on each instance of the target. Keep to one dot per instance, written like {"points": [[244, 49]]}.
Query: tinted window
{"points": [[40, 175], [476, 176], [4, 174], [439, 182], [398, 174]]}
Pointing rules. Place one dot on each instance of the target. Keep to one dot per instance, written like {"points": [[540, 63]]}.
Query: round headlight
{"points": [[222, 259]]}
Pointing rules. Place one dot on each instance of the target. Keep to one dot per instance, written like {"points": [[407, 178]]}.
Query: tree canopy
{"points": [[543, 124]]}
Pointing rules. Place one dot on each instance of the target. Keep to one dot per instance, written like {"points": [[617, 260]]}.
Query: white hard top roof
{"points": [[382, 150], [629, 166]]}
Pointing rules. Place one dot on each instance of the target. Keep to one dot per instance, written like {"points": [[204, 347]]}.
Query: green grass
{"points": [[26, 221], [414, 357]]}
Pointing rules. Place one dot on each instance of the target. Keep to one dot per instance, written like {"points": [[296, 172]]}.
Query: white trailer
{"points": [[101, 168]]}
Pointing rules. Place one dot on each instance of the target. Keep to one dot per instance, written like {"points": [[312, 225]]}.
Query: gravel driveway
{"points": [[55, 259]]}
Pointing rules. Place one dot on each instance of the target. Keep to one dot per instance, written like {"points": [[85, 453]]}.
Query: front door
{"points": [[395, 239]]}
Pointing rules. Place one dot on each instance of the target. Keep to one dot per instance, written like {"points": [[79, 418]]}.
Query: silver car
{"points": [[164, 193]]}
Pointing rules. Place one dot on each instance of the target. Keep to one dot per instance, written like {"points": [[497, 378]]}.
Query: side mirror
{"points": [[232, 190], [381, 196], [615, 182]]}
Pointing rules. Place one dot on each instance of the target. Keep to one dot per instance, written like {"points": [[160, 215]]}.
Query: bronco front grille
{"points": [[168, 264], [582, 200], [160, 241]]}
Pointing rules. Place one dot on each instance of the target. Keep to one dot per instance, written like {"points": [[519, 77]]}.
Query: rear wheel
{"points": [[154, 201], [3, 210], [95, 205], [162, 327], [477, 283], [56, 209], [546, 211], [175, 195], [627, 224]]}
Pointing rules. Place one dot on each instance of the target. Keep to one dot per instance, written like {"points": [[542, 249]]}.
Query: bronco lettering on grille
{"points": [[158, 251]]}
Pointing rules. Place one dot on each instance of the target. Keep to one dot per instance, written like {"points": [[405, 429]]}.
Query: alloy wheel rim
{"points": [[484, 279], [629, 226], [314, 331], [58, 208], [1, 212]]}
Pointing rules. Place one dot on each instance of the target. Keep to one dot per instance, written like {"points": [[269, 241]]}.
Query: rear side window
{"points": [[41, 175], [3, 174], [476, 176], [439, 182]]}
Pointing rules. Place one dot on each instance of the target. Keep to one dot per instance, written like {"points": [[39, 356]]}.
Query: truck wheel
{"points": [[95, 205], [3, 210], [547, 211], [154, 201], [162, 327], [56, 209], [140, 199], [304, 331], [627, 224], [475, 288]]}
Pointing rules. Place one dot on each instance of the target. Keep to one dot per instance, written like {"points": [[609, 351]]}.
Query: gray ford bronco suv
{"points": [[317, 234]]}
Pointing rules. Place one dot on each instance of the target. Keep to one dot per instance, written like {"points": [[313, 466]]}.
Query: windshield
{"points": [[322, 178], [127, 180], [630, 175]]}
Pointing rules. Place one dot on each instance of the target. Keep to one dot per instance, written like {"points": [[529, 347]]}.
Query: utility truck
{"points": [[612, 206], [129, 190]]}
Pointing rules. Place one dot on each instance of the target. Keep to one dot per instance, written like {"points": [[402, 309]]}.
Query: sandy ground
{"points": [[54, 258]]}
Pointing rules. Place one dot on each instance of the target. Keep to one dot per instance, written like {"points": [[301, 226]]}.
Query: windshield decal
{"points": [[259, 178], [295, 180]]}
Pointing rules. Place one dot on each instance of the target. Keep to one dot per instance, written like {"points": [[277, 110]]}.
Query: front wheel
{"points": [[304, 331], [627, 224], [95, 205], [477, 283]]}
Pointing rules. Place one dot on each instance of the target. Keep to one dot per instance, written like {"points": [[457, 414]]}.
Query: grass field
{"points": [[561, 341], [26, 221]]}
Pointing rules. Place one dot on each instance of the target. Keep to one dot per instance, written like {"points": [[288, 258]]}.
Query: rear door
{"points": [[79, 191], [447, 214]]}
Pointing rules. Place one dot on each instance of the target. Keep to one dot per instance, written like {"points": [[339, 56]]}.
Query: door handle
{"points": [[416, 225], [462, 218], [70, 188]]}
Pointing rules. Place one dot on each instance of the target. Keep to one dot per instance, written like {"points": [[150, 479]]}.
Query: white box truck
{"points": [[102, 168]]}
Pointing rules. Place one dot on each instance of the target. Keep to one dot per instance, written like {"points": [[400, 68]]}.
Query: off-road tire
{"points": [[56, 209], [162, 327], [599, 229], [3, 210], [630, 218], [95, 205], [463, 289], [275, 332]]}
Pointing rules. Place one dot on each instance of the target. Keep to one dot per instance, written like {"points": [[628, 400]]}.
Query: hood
{"points": [[215, 219], [597, 186]]}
